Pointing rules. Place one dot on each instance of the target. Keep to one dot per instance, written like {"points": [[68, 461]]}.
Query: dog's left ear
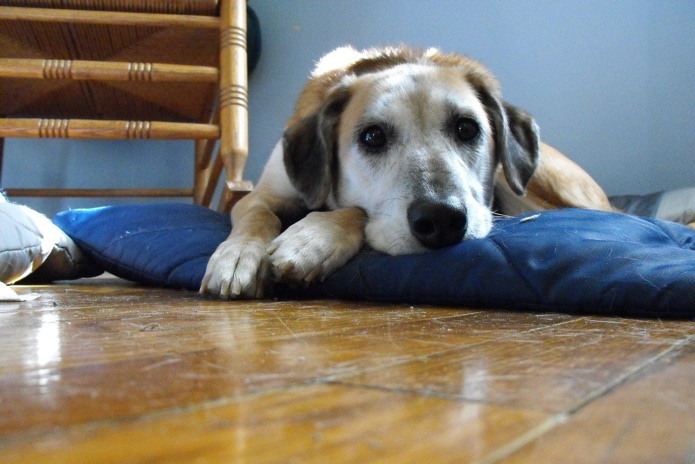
{"points": [[517, 140], [523, 150], [310, 150]]}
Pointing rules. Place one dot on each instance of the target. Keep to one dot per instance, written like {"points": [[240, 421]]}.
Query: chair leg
{"points": [[2, 147], [233, 101], [214, 173], [204, 178], [229, 198]]}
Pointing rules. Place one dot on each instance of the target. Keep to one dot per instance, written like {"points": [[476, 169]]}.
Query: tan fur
{"points": [[345, 225], [347, 61], [557, 183], [560, 182]]}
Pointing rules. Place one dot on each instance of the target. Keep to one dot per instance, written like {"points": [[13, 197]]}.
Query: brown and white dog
{"points": [[403, 149]]}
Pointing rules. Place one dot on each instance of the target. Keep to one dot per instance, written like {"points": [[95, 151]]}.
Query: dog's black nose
{"points": [[436, 224]]}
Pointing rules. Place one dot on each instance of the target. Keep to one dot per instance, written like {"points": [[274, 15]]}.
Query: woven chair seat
{"points": [[190, 7], [116, 99], [117, 69]]}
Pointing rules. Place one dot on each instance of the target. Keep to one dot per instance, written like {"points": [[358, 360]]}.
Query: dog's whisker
{"points": [[396, 244], [386, 201]]}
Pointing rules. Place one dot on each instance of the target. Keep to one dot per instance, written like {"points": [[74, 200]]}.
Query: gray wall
{"points": [[610, 82]]}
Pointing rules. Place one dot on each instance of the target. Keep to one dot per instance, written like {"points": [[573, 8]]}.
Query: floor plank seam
{"points": [[631, 374], [561, 417], [95, 425], [336, 378], [516, 444], [425, 394]]}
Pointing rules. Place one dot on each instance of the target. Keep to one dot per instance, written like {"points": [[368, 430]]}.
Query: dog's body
{"points": [[404, 149]]}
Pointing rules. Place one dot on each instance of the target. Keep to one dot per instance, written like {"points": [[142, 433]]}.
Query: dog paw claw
{"points": [[237, 270]]}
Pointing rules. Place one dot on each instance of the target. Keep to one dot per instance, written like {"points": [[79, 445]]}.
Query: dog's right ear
{"points": [[310, 150], [516, 137]]}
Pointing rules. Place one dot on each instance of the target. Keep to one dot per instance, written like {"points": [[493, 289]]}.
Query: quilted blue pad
{"points": [[161, 244], [573, 261]]}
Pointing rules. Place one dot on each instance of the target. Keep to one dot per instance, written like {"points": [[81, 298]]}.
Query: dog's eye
{"points": [[466, 129], [373, 137]]}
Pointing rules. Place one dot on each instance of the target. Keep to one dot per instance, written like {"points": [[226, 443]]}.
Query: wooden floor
{"points": [[111, 372]]}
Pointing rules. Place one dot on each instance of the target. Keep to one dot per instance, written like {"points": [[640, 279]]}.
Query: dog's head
{"points": [[415, 142]]}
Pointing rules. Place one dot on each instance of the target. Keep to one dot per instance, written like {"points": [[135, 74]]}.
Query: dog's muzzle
{"points": [[436, 224]]}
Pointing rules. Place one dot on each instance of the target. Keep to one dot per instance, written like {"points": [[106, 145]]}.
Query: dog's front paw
{"points": [[317, 245], [237, 269]]}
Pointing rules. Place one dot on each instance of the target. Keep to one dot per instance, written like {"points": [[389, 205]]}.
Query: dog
{"points": [[401, 149]]}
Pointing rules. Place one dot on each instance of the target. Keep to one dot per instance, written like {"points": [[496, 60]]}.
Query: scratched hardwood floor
{"points": [[107, 371]]}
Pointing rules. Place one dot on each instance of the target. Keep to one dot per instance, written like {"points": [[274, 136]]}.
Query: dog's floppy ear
{"points": [[310, 147], [517, 140], [524, 144]]}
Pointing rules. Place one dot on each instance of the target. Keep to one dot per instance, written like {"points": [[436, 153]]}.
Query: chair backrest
{"points": [[123, 69], [68, 55]]}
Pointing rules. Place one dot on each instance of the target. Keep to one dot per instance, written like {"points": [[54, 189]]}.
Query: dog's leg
{"points": [[317, 245], [240, 266]]}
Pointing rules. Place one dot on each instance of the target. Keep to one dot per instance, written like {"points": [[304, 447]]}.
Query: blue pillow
{"points": [[160, 244], [573, 261]]}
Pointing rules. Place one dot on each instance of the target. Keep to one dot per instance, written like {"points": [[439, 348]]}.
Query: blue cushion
{"points": [[573, 261], [160, 244]]}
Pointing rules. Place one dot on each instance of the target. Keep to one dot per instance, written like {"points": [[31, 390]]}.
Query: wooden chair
{"points": [[130, 69]]}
